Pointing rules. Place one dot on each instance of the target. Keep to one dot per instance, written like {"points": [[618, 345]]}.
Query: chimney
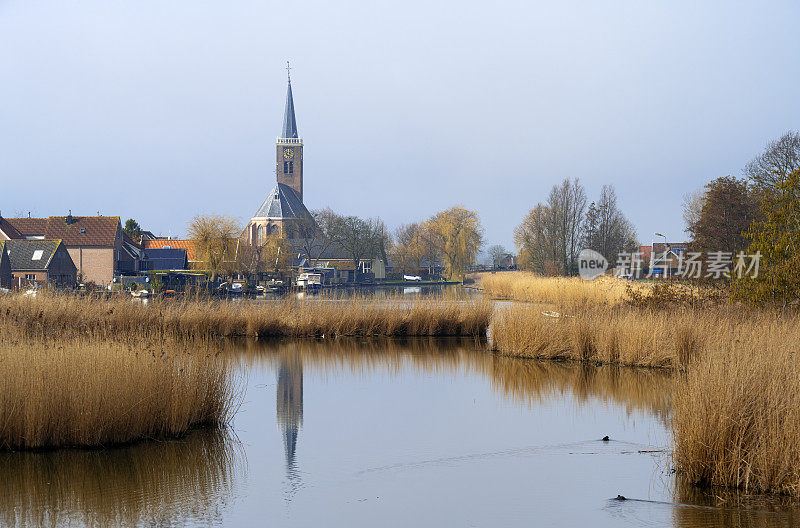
{"points": [[29, 214], [68, 219]]}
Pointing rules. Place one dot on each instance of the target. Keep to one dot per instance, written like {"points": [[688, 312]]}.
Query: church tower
{"points": [[289, 148], [282, 213]]}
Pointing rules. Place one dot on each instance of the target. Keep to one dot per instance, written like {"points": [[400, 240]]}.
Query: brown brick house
{"points": [[40, 262], [5, 267], [96, 244]]}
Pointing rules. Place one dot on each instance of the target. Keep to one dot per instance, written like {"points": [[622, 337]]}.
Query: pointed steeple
{"points": [[289, 121]]}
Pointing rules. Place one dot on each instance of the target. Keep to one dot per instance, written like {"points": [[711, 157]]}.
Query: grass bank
{"points": [[88, 391], [64, 315]]}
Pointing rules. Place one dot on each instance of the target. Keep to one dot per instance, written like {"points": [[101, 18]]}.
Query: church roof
{"points": [[289, 121], [282, 203]]}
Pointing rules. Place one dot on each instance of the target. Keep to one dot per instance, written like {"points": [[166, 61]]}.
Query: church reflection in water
{"points": [[290, 414]]}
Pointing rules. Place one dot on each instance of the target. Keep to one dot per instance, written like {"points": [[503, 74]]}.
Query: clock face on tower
{"points": [[288, 153]]}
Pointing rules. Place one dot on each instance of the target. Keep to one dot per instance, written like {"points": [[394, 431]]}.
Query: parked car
{"points": [[414, 278]]}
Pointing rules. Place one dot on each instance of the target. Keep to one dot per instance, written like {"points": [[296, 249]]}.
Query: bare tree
{"points": [[692, 207], [779, 159], [497, 252], [248, 258], [360, 238], [314, 231], [567, 204], [216, 239], [606, 230]]}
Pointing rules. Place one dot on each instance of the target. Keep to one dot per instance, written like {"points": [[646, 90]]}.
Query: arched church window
{"points": [[260, 233], [273, 229], [291, 167]]}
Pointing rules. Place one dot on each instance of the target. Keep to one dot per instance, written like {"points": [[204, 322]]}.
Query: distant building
{"points": [[154, 259], [40, 263], [5, 267], [663, 259], [97, 245], [184, 244]]}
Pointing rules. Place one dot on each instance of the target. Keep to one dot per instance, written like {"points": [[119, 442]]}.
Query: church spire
{"points": [[289, 121]]}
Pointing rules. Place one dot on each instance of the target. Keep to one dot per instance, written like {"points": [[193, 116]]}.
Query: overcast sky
{"points": [[161, 110]]}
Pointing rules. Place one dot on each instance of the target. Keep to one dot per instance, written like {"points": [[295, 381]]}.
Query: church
{"points": [[283, 212]]}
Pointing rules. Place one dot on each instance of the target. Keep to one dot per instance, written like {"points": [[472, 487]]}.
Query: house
{"points": [[5, 267], [96, 244], [163, 259], [663, 259], [185, 244], [506, 261], [40, 263]]}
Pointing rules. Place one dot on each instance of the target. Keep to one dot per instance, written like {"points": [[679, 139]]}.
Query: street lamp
{"points": [[666, 272]]}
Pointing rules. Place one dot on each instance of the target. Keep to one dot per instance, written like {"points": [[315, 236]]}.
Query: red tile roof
{"points": [[29, 226], [161, 243], [9, 230], [81, 231], [84, 230]]}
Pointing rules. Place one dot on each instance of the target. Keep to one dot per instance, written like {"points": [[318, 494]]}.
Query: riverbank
{"points": [[736, 416], [68, 315]]}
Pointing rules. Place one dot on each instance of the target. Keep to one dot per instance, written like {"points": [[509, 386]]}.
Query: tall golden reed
{"points": [[122, 318], [736, 420], [560, 291], [90, 391]]}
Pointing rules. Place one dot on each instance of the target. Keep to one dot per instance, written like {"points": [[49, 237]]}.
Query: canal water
{"points": [[394, 433]]}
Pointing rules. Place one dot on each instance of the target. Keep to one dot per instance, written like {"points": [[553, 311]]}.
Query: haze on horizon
{"points": [[161, 111]]}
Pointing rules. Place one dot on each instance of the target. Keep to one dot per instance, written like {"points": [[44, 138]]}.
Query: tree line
{"points": [[756, 214], [449, 240], [554, 232]]}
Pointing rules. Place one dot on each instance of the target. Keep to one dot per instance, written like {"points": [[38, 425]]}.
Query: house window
{"points": [[285, 167], [83, 230], [37, 255], [366, 267], [30, 276]]}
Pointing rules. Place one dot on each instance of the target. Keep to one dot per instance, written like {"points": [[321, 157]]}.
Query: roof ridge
{"points": [[52, 253]]}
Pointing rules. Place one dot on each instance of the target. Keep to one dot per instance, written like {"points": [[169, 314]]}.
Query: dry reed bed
{"points": [[639, 337], [121, 317], [736, 421], [87, 391], [561, 291], [736, 414]]}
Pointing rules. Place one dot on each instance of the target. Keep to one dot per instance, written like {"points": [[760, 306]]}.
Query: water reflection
{"points": [[176, 482], [731, 508], [290, 414], [524, 382]]}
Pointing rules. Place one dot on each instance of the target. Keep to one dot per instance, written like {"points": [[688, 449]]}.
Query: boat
{"points": [[309, 281]]}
